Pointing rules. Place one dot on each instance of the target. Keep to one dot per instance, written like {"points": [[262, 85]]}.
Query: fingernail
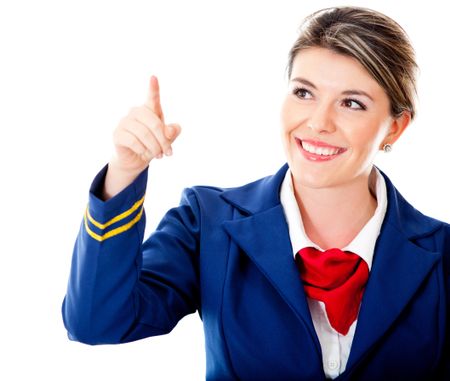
{"points": [[169, 151], [159, 156]]}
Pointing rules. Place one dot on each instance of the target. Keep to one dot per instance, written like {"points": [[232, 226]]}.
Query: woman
{"points": [[322, 270]]}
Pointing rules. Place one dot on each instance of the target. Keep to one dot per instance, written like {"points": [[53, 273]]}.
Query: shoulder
{"points": [[412, 222], [250, 198]]}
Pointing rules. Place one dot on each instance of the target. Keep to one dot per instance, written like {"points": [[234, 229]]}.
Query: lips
{"points": [[315, 150]]}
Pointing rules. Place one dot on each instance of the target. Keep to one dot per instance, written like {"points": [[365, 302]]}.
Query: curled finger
{"points": [[150, 121]]}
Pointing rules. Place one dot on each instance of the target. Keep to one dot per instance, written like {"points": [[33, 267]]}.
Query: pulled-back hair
{"points": [[379, 43]]}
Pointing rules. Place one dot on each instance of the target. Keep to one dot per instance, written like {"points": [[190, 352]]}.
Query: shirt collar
{"points": [[363, 244]]}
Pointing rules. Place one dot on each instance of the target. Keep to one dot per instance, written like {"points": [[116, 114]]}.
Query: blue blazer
{"points": [[226, 253]]}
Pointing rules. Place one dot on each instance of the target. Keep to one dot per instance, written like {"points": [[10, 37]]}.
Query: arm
{"points": [[120, 290], [111, 298]]}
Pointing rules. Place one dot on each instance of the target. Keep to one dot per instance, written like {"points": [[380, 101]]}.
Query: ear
{"points": [[398, 126]]}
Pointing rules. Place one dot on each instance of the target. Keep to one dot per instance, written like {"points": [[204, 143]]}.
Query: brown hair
{"points": [[375, 40]]}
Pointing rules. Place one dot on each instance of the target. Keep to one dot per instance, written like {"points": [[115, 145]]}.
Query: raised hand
{"points": [[140, 137]]}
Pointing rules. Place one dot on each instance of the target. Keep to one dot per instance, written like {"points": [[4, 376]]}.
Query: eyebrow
{"points": [[346, 92]]}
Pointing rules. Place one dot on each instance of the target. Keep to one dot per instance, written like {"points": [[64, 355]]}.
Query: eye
{"points": [[302, 93], [353, 104]]}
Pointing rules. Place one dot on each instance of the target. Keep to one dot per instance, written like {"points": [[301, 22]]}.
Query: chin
{"points": [[313, 182], [311, 179]]}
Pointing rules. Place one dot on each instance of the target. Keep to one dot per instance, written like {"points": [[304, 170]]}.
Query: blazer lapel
{"points": [[264, 237], [399, 268]]}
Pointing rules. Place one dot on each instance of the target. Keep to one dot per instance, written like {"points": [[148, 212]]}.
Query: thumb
{"points": [[172, 131]]}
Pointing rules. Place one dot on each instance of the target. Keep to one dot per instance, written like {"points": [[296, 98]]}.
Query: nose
{"points": [[321, 119]]}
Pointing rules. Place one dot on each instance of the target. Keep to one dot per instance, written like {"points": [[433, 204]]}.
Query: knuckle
{"points": [[158, 126], [117, 135], [165, 145], [147, 134], [132, 126], [136, 146], [149, 113], [146, 116], [155, 147], [132, 110], [147, 156], [123, 122]]}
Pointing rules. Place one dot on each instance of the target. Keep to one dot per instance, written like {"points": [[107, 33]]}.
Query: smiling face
{"points": [[334, 119]]}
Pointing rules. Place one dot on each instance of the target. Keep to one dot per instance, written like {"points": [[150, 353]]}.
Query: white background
{"points": [[69, 70]]}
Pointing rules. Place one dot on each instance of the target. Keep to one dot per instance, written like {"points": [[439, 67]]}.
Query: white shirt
{"points": [[335, 346]]}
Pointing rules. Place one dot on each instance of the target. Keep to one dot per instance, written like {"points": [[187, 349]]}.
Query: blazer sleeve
{"points": [[121, 289]]}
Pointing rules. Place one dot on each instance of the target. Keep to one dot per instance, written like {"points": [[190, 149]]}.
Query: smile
{"points": [[318, 151]]}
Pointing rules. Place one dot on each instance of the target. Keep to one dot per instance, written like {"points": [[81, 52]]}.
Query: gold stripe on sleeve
{"points": [[117, 218], [112, 232]]}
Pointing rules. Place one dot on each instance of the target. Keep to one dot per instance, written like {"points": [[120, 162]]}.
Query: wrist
{"points": [[117, 179]]}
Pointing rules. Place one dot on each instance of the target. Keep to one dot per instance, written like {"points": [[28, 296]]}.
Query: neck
{"points": [[332, 217]]}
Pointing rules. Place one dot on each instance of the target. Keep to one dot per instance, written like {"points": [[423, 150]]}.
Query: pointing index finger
{"points": [[153, 100]]}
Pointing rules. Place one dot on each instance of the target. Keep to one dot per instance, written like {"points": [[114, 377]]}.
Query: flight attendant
{"points": [[320, 271]]}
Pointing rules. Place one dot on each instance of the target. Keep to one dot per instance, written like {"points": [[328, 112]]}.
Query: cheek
{"points": [[287, 124], [365, 141], [287, 116]]}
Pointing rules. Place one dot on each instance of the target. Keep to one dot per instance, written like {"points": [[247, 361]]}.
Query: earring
{"points": [[387, 148]]}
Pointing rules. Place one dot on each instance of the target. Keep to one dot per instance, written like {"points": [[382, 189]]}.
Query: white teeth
{"points": [[323, 151]]}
